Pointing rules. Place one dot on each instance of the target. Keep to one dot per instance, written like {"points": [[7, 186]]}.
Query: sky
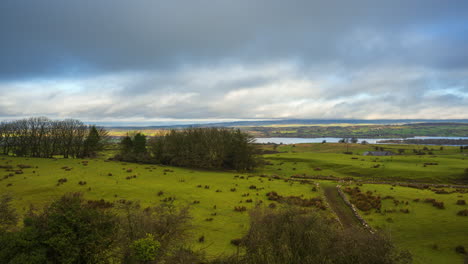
{"points": [[223, 60]]}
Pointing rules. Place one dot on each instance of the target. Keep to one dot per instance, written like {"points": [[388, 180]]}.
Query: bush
{"points": [[67, 231], [146, 249], [240, 208], [463, 212], [460, 249], [363, 201], [302, 236], [236, 241]]}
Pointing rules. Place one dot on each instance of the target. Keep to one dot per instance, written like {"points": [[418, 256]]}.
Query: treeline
{"points": [[211, 148], [45, 138], [75, 230]]}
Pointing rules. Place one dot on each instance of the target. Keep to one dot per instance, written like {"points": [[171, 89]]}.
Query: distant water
{"points": [[278, 140]]}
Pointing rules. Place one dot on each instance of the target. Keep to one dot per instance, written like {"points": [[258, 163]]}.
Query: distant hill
{"points": [[284, 122]]}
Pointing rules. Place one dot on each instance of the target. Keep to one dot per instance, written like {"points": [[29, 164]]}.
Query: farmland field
{"points": [[429, 233]]}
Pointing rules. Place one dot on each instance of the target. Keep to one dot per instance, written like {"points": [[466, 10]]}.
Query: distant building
{"points": [[378, 153]]}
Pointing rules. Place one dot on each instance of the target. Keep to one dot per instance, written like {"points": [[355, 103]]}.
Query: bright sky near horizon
{"points": [[154, 60]]}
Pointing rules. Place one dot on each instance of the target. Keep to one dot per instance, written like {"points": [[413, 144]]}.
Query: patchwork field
{"points": [[428, 232]]}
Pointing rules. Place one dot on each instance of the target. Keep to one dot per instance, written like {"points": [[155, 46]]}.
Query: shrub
{"points": [[363, 201], [463, 212], [67, 231], [61, 181], [146, 249], [240, 208], [461, 202], [236, 241], [301, 236], [460, 249]]}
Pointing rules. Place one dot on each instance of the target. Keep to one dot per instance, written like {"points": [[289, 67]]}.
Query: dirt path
{"points": [[337, 204]]}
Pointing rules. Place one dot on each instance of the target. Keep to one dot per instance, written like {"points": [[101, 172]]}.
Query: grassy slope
{"points": [[425, 225], [40, 187], [306, 157]]}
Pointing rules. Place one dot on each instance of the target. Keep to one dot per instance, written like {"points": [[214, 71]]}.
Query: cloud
{"points": [[282, 91], [148, 60]]}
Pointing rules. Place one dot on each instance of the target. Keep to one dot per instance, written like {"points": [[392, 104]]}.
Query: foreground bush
{"points": [[301, 236], [73, 230], [67, 231]]}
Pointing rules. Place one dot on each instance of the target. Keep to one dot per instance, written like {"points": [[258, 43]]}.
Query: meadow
{"points": [[213, 195], [429, 232]]}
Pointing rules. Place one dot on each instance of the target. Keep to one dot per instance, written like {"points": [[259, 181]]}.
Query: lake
{"points": [[282, 140]]}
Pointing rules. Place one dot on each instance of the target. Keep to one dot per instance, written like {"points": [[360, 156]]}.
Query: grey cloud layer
{"points": [[234, 59]]}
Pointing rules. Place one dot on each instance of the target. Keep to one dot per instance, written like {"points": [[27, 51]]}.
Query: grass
{"points": [[431, 234], [423, 227], [40, 188], [329, 160]]}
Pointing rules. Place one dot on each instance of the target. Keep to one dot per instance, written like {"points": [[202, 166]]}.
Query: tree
{"points": [[139, 144], [92, 142], [126, 145], [212, 148], [42, 137], [354, 140]]}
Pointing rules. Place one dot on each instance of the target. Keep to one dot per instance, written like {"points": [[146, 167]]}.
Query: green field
{"points": [[429, 233], [423, 227]]}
